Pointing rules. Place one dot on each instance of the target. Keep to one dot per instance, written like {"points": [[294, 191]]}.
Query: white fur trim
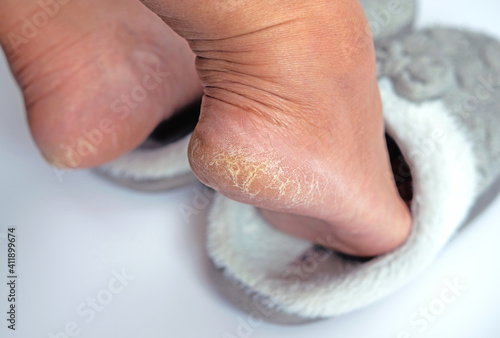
{"points": [[165, 162], [445, 185]]}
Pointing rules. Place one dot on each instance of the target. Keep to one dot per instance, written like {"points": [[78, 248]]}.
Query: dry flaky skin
{"points": [[300, 137], [264, 176]]}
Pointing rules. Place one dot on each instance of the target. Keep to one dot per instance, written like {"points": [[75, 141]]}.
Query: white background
{"points": [[74, 229]]}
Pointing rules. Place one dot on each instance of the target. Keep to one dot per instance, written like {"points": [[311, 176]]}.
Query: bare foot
{"points": [[292, 118], [97, 76]]}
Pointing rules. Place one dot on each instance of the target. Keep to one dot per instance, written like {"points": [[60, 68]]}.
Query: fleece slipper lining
{"points": [[166, 162]]}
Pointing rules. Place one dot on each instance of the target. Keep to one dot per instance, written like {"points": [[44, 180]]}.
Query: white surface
{"points": [[74, 229]]}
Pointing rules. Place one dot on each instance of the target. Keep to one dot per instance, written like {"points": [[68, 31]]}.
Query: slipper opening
{"points": [[175, 128]]}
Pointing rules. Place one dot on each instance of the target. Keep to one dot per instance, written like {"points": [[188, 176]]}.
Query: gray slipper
{"points": [[165, 166], [389, 18], [440, 89]]}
